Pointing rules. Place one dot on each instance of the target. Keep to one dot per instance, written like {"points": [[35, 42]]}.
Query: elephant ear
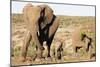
{"points": [[48, 14]]}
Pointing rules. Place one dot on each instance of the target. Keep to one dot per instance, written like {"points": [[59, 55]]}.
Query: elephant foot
{"points": [[48, 58], [22, 59], [53, 59], [39, 59], [29, 59]]}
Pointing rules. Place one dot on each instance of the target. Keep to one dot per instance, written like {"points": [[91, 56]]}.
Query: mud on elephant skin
{"points": [[41, 26]]}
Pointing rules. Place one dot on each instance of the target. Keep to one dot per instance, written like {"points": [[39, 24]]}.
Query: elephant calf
{"points": [[56, 50], [81, 40]]}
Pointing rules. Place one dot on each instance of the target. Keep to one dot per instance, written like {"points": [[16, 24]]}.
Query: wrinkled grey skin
{"points": [[41, 26]]}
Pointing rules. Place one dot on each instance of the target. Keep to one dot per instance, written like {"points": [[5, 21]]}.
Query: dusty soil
{"points": [[68, 24]]}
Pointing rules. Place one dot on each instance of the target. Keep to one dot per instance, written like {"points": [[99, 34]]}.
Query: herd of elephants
{"points": [[42, 25]]}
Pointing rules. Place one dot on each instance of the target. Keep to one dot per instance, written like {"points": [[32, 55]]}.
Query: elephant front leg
{"points": [[39, 54], [49, 46], [48, 51], [48, 57], [26, 42], [39, 46]]}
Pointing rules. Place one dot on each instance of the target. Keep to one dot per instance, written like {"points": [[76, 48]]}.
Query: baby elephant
{"points": [[81, 39], [56, 50]]}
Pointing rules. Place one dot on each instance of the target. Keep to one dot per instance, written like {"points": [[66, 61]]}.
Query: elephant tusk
{"points": [[38, 33]]}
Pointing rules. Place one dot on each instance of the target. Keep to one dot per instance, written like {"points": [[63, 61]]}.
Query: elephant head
{"points": [[41, 15], [31, 16], [46, 15]]}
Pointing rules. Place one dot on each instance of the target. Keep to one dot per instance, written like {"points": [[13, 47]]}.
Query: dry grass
{"points": [[64, 32]]}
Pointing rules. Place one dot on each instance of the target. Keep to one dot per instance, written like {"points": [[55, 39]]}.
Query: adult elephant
{"points": [[41, 26]]}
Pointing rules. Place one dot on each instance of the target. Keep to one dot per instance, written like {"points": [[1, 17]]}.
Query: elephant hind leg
{"points": [[88, 46], [26, 42]]}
